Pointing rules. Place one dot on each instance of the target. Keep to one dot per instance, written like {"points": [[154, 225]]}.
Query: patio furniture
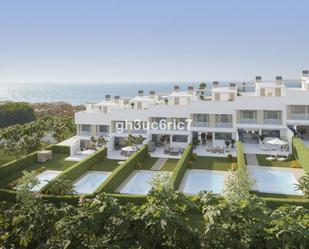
{"points": [[151, 147], [209, 148], [44, 155], [271, 158], [166, 149], [174, 151]]}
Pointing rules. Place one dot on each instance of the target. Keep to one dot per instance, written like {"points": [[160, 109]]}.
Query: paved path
{"points": [[159, 164], [251, 159]]}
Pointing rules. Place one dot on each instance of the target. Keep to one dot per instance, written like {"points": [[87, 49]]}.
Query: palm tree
{"points": [[202, 89], [102, 141]]}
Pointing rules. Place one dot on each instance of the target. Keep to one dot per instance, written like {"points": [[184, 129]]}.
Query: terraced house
{"points": [[205, 118]]}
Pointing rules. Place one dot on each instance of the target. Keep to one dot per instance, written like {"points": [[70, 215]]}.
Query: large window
{"points": [[223, 136], [103, 128], [180, 138], [248, 114], [223, 118], [298, 109], [272, 114], [86, 128], [202, 117]]}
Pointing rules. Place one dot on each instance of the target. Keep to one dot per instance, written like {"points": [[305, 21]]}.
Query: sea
{"points": [[82, 93]]}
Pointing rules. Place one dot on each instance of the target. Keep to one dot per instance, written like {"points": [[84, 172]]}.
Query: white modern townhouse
{"points": [[170, 121]]}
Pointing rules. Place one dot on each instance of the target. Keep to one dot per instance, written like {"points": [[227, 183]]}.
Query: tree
{"points": [[15, 113], [303, 184], [237, 186], [102, 141], [134, 141], [59, 187], [202, 89]]}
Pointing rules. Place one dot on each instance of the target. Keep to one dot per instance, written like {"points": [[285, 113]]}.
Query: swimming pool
{"points": [[44, 178], [275, 181], [139, 182], [196, 180], [90, 181]]}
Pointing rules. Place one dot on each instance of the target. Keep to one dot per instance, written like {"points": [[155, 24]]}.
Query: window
{"points": [[202, 117], [103, 128], [180, 138], [223, 136], [86, 128], [272, 114], [223, 118], [300, 109], [248, 114]]}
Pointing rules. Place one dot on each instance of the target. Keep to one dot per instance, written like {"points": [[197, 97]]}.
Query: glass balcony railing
{"points": [[299, 116], [248, 121], [272, 121], [224, 124], [85, 133], [200, 124]]}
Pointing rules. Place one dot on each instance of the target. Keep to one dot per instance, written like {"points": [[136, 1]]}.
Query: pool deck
{"points": [[297, 173]]}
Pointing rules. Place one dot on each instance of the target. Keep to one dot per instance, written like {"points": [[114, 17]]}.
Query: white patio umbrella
{"points": [[278, 142], [128, 149]]}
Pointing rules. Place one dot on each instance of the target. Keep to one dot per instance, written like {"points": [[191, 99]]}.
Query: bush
{"points": [[190, 164], [295, 164], [139, 165], [234, 166], [229, 157], [194, 157]]}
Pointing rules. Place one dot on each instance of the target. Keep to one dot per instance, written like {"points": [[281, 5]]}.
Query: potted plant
{"points": [[227, 143], [232, 142]]}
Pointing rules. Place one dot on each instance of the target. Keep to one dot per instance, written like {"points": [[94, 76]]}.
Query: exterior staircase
{"points": [[251, 159], [159, 164]]}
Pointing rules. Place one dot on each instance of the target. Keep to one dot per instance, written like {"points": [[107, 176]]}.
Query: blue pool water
{"points": [[139, 182], [89, 182], [44, 178], [195, 181], [275, 181]]}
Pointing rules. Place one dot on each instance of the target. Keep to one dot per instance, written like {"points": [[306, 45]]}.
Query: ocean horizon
{"points": [[82, 93]]}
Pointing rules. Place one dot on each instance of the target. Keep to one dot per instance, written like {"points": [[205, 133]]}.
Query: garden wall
{"points": [[301, 153], [181, 166], [122, 172], [241, 160]]}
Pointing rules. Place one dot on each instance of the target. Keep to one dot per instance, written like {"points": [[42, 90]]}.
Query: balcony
{"points": [[135, 131], [248, 121], [200, 124], [299, 116], [224, 124], [272, 121]]}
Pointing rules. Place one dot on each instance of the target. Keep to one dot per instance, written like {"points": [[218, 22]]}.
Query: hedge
{"points": [[23, 162], [241, 160], [122, 172], [301, 152], [81, 167], [181, 166]]}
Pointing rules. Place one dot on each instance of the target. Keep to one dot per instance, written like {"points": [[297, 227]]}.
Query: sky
{"points": [[151, 41]]}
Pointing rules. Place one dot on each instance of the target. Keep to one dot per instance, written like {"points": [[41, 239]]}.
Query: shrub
{"points": [[229, 157], [190, 164], [295, 164], [234, 166], [139, 165], [194, 157]]}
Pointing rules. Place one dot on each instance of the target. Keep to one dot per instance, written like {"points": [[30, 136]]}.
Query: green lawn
{"points": [[263, 162], [4, 158], [148, 163], [212, 163], [57, 163], [170, 165], [106, 165]]}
